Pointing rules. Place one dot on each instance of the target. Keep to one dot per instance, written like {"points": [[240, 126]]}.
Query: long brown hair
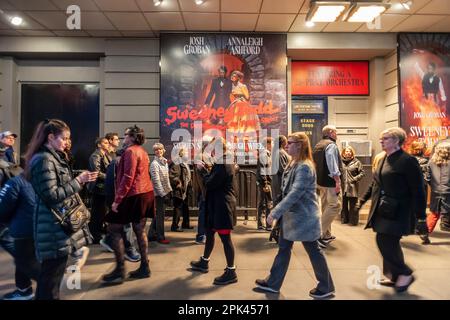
{"points": [[40, 137], [305, 153]]}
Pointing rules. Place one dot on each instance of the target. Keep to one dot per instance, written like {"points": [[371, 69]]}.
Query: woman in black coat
{"points": [[220, 208], [398, 205], [56, 191]]}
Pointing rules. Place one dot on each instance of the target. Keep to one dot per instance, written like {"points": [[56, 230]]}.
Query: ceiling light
{"points": [[407, 4], [326, 11], [17, 21], [199, 2], [157, 2], [365, 11], [310, 24]]}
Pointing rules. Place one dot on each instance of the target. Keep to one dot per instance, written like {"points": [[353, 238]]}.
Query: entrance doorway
{"points": [[75, 104]]}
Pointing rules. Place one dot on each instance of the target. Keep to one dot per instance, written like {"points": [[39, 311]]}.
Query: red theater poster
{"points": [[231, 84], [424, 86], [330, 78]]}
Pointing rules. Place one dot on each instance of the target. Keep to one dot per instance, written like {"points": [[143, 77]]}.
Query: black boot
{"points": [[142, 272], [116, 276], [200, 265], [229, 276]]}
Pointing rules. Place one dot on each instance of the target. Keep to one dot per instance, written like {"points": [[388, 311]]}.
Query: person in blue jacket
{"points": [[17, 205]]}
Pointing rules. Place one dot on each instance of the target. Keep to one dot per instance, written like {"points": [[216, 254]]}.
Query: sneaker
{"points": [[81, 257], [106, 245], [321, 244], [163, 241], [132, 255], [200, 240], [187, 227], [19, 294], [317, 294], [200, 265], [328, 239], [261, 228], [173, 229], [269, 229], [262, 284], [116, 276], [228, 277]]}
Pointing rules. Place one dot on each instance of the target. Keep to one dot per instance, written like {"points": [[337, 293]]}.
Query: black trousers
{"points": [[393, 259], [27, 266], [349, 214], [52, 272], [98, 213], [180, 209], [157, 226]]}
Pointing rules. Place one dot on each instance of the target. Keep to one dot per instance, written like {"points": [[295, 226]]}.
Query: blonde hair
{"points": [[158, 145], [441, 154], [304, 153], [417, 148], [376, 160], [348, 148], [397, 133]]}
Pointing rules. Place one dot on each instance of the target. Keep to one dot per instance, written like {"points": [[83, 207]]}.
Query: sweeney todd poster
{"points": [[232, 85], [425, 86]]}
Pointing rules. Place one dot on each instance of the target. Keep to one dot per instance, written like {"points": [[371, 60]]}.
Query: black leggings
{"points": [[227, 246], [116, 230]]}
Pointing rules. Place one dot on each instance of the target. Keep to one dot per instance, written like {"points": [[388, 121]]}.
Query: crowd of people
{"points": [[299, 202]]}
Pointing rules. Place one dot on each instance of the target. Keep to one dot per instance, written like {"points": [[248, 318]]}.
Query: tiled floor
{"points": [[348, 257]]}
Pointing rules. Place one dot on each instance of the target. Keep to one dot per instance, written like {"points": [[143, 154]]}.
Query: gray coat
{"points": [[352, 173], [299, 207], [439, 179], [55, 187]]}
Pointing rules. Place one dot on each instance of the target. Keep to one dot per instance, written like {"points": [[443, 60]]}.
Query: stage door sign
{"points": [[309, 116]]}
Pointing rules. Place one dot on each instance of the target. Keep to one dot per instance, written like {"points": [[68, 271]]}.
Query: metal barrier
{"points": [[246, 194]]}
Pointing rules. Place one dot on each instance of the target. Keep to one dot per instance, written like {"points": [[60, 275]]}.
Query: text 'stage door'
{"points": [[309, 115], [76, 104]]}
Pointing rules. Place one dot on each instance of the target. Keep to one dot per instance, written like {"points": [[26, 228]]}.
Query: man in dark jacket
{"points": [[264, 182], [98, 161], [220, 90], [180, 177], [17, 205]]}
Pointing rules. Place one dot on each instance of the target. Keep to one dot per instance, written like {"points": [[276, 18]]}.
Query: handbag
{"points": [[73, 219]]}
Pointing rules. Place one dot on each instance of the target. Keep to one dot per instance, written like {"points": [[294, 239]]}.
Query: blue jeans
{"points": [[6, 241], [281, 264], [201, 217]]}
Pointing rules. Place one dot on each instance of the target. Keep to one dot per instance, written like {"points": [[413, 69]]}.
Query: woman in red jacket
{"points": [[133, 203]]}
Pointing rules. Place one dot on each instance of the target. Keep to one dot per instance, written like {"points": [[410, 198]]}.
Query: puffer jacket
{"points": [[56, 188], [159, 172], [17, 205]]}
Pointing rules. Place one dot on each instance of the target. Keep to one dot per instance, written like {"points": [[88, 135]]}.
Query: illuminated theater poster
{"points": [[425, 86], [233, 85]]}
